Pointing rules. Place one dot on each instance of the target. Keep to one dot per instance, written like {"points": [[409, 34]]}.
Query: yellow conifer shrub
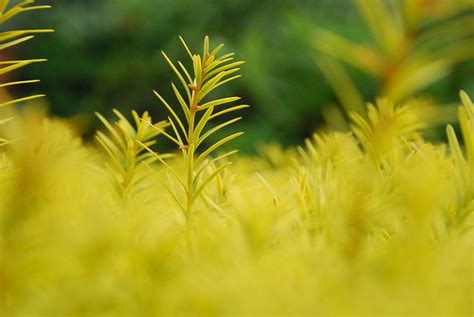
{"points": [[373, 221]]}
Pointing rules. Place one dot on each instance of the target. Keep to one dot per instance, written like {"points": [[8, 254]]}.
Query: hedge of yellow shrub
{"points": [[373, 221]]}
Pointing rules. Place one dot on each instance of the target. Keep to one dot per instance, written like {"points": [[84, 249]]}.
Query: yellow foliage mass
{"points": [[322, 230]]}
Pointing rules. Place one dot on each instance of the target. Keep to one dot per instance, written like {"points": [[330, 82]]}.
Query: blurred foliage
{"points": [[417, 43], [338, 229], [106, 55], [124, 147], [375, 221]]}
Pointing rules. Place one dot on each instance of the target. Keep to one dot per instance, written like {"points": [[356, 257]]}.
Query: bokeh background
{"points": [[308, 62]]}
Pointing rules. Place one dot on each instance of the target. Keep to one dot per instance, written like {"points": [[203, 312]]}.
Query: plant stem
{"points": [[190, 157], [193, 108]]}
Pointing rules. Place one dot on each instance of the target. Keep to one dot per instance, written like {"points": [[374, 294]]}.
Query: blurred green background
{"points": [[106, 54]]}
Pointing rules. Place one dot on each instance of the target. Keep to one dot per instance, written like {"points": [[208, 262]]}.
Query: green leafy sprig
{"points": [[9, 39], [124, 145], [197, 110]]}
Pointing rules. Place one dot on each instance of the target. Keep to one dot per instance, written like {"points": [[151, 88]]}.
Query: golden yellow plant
{"points": [[373, 221], [124, 146], [9, 39], [463, 207], [210, 71], [388, 123]]}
